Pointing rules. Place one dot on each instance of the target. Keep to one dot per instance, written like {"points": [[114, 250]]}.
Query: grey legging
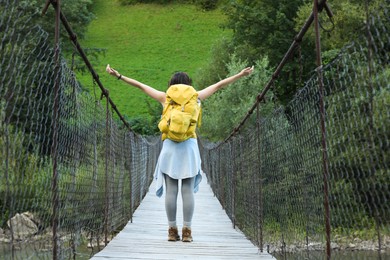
{"points": [[187, 193]]}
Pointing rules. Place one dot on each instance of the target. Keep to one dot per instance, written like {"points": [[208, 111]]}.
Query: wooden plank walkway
{"points": [[212, 230]]}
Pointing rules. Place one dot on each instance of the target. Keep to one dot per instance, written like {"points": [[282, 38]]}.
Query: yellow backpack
{"points": [[181, 113]]}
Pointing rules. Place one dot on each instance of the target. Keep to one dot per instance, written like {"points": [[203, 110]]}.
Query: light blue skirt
{"points": [[179, 161]]}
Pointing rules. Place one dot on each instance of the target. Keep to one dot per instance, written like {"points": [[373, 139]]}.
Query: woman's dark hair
{"points": [[180, 78]]}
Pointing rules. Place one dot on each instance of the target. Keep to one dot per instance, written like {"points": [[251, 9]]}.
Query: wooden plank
{"points": [[212, 230]]}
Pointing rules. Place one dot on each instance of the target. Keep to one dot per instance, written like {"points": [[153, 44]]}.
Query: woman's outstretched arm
{"points": [[151, 92], [205, 93]]}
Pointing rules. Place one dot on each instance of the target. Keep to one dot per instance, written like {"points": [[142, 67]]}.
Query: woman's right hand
{"points": [[111, 71]]}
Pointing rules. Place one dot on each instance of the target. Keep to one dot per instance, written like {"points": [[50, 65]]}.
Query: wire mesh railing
{"points": [[270, 177], [101, 170]]}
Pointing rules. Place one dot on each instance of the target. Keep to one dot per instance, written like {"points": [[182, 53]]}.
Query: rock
{"points": [[94, 245], [334, 246], [314, 246], [4, 240], [22, 226], [33, 218], [2, 235]]}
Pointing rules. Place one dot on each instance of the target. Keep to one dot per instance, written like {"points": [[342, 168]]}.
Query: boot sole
{"points": [[173, 239]]}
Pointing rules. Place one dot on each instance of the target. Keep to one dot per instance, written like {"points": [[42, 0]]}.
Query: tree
{"points": [[266, 27], [27, 58]]}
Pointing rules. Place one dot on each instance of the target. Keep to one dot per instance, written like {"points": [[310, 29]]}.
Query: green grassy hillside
{"points": [[149, 42]]}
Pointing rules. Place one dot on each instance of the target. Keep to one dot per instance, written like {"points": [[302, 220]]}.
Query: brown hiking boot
{"points": [[173, 234], [186, 234]]}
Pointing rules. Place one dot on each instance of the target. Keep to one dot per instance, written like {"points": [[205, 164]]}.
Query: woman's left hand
{"points": [[247, 71]]}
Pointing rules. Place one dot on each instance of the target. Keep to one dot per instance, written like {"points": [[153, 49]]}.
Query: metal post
{"points": [[130, 163], [234, 184], [7, 186], [55, 199], [371, 144], [221, 184], [323, 129], [106, 172], [260, 183]]}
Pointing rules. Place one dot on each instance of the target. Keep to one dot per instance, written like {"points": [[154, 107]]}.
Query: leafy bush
{"points": [[224, 110], [132, 2], [207, 5], [26, 181]]}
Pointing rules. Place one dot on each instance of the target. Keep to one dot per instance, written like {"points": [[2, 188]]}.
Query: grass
{"points": [[149, 42]]}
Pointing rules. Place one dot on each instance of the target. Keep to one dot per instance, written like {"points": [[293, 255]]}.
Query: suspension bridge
{"points": [[310, 179]]}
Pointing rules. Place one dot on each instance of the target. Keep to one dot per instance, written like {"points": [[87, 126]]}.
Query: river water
{"points": [[83, 253], [339, 255]]}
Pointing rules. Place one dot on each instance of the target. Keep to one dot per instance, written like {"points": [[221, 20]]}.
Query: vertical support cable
{"points": [[234, 184], [129, 161], [323, 129], [221, 179], [8, 192], [55, 199], [106, 172], [260, 183], [371, 143], [131, 143]]}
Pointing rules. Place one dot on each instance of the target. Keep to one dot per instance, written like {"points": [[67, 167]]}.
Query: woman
{"points": [[179, 160]]}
